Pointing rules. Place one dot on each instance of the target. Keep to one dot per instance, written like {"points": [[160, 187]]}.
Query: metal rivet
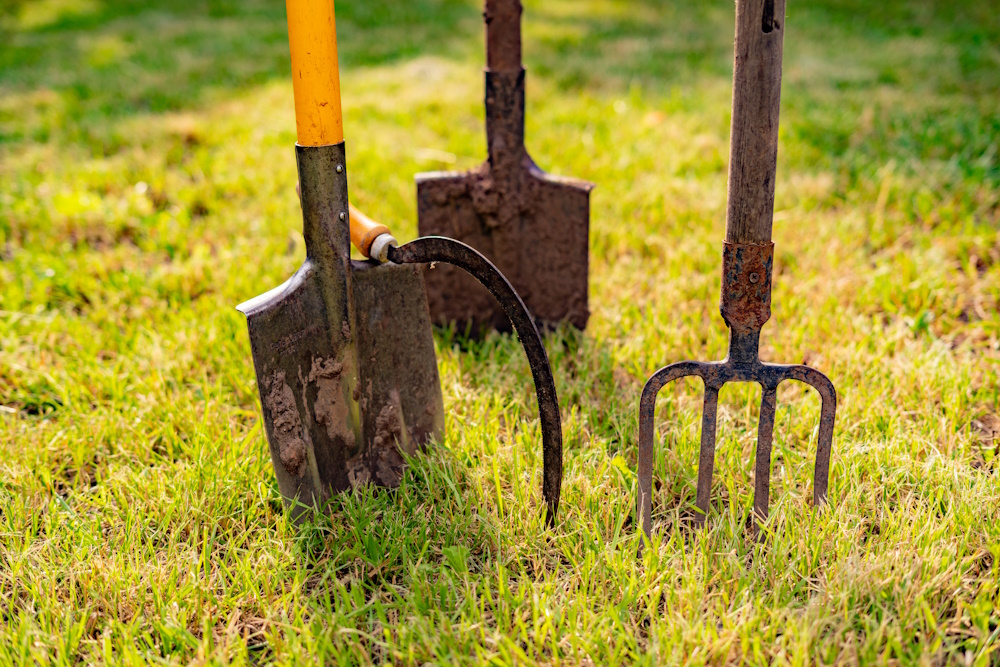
{"points": [[754, 277], [340, 169], [343, 216]]}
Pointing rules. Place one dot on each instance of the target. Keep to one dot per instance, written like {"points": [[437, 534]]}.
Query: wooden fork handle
{"points": [[753, 153]]}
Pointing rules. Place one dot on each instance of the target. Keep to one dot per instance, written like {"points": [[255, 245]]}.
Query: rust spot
{"points": [[746, 285], [767, 23]]}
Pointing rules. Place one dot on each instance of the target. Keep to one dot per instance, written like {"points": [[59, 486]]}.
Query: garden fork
{"points": [[747, 260]]}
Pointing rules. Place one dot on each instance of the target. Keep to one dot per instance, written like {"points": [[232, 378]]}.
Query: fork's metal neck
{"points": [[744, 348], [746, 297]]}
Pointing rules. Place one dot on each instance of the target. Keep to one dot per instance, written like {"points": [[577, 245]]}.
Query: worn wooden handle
{"points": [[364, 231], [503, 35], [312, 40], [753, 153]]}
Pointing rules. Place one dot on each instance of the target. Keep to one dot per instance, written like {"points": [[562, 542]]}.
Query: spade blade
{"points": [[543, 249]]}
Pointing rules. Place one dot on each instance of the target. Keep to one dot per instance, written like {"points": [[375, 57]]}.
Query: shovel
{"points": [[343, 351], [534, 227], [747, 260]]}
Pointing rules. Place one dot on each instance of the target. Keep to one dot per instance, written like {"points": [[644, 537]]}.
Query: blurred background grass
{"points": [[147, 186]]}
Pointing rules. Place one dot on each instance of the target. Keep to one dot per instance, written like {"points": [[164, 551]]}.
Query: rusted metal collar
{"points": [[746, 286], [746, 297], [441, 249]]}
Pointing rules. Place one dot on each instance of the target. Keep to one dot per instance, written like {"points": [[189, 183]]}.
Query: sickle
{"points": [[431, 249]]}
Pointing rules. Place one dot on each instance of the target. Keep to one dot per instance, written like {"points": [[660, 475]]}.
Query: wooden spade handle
{"points": [[503, 35], [753, 153], [364, 231], [312, 40]]}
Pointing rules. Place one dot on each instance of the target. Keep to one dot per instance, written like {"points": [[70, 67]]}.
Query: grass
{"points": [[147, 186]]}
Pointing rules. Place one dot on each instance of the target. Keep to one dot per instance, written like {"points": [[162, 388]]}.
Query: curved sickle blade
{"points": [[441, 249]]}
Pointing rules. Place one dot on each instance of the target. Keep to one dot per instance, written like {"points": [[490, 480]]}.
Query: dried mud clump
{"points": [[287, 425]]}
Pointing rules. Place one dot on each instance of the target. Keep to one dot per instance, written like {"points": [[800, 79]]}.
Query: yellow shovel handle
{"points": [[312, 38]]}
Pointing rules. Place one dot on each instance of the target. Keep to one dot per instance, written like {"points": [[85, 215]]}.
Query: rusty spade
{"points": [[747, 261], [532, 225]]}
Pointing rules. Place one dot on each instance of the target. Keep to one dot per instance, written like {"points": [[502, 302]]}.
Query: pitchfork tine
{"points": [[706, 457], [647, 424], [828, 415], [716, 375], [762, 475]]}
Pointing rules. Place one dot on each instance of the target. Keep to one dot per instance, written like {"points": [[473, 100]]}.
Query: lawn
{"points": [[147, 186]]}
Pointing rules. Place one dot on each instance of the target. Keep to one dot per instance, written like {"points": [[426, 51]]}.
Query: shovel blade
{"points": [[402, 408], [543, 252], [331, 428], [306, 376]]}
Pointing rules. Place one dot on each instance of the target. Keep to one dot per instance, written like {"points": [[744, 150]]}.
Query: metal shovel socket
{"points": [[436, 249]]}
